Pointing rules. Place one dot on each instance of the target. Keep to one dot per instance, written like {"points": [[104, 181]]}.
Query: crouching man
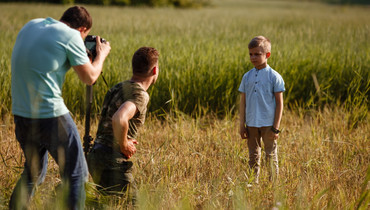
{"points": [[123, 113]]}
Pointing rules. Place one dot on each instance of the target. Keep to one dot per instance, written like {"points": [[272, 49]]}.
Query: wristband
{"points": [[276, 131]]}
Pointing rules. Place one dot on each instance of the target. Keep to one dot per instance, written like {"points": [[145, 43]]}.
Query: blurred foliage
{"points": [[342, 2], [150, 3], [347, 1]]}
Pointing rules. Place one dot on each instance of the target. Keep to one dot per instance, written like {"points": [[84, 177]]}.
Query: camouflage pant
{"points": [[112, 171]]}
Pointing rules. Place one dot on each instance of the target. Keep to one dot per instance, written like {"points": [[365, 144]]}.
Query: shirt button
{"points": [[256, 82], [255, 90]]}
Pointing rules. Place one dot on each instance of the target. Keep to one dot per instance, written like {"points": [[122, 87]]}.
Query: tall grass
{"points": [[183, 162], [187, 163], [204, 52]]}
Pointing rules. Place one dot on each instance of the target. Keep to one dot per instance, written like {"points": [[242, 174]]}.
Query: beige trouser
{"points": [[255, 135]]}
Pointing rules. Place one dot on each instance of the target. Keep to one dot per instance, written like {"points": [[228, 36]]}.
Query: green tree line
{"points": [[354, 2]]}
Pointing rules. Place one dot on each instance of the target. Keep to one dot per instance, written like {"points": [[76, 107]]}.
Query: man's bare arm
{"points": [[120, 125], [89, 72]]}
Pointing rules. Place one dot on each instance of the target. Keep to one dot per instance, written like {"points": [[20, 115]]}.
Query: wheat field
{"points": [[190, 155], [187, 163]]}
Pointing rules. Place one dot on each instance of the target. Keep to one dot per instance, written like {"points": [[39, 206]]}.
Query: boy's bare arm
{"points": [[278, 109], [242, 129], [120, 128]]}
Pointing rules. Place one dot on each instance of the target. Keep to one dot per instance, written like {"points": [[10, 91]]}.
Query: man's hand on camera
{"points": [[102, 49], [89, 72]]}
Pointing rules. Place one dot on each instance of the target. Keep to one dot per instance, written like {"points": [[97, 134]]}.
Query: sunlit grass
{"points": [[204, 52], [187, 163], [200, 162]]}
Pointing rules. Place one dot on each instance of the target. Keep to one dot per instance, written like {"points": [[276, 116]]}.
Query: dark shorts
{"points": [[111, 170]]}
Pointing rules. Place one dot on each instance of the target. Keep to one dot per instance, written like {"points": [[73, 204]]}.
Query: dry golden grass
{"points": [[185, 163]]}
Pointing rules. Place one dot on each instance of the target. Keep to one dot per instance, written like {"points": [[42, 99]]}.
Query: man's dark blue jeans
{"points": [[58, 136]]}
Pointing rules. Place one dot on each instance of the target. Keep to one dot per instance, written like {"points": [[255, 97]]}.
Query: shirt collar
{"points": [[49, 21], [267, 67]]}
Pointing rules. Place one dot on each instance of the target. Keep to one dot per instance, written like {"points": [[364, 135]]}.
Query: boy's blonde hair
{"points": [[260, 41]]}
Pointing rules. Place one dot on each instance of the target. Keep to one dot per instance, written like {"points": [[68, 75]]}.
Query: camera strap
{"points": [[105, 81]]}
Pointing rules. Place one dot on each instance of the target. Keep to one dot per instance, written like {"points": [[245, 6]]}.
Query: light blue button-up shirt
{"points": [[259, 87]]}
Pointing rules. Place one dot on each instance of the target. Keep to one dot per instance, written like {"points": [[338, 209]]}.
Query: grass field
{"points": [[187, 163], [204, 51], [199, 162]]}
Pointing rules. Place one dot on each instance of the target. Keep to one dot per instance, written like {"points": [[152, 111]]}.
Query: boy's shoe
{"points": [[253, 184]]}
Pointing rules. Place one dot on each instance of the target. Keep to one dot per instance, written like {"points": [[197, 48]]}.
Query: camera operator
{"points": [[44, 51]]}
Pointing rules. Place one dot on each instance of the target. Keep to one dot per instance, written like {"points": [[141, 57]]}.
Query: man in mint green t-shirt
{"points": [[44, 51]]}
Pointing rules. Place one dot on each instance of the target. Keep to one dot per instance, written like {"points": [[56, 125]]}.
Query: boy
{"points": [[123, 113], [261, 107]]}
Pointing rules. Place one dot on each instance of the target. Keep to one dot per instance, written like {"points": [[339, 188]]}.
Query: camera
{"points": [[90, 43]]}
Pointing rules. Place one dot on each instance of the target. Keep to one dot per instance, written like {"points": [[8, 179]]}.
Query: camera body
{"points": [[90, 43]]}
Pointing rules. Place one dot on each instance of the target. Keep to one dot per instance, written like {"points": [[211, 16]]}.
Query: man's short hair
{"points": [[143, 61], [260, 41], [76, 17]]}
